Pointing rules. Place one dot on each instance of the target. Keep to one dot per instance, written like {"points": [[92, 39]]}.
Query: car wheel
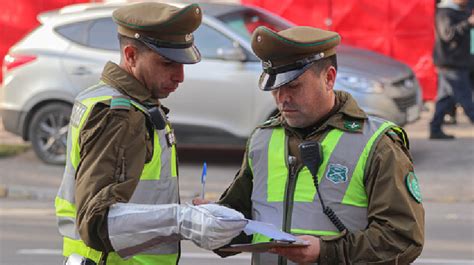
{"points": [[48, 132]]}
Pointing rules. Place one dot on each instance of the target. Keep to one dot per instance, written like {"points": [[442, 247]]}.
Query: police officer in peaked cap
{"points": [[322, 169], [119, 201]]}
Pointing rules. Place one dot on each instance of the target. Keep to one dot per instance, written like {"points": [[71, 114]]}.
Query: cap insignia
{"points": [[188, 37], [267, 64]]}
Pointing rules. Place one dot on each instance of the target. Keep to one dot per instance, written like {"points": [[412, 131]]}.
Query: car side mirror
{"points": [[231, 54]]}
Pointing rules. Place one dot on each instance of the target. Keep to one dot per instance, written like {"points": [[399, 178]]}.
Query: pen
{"points": [[203, 179]]}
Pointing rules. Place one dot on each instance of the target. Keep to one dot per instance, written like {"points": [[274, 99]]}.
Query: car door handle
{"points": [[81, 70]]}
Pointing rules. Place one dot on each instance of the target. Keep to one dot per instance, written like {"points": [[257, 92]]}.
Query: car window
{"points": [[103, 35], [209, 41], [244, 22], [74, 31]]}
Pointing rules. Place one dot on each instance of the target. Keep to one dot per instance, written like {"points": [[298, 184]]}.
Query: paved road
{"points": [[29, 236]]}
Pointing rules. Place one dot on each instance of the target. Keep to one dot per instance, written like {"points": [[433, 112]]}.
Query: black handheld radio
{"points": [[312, 156]]}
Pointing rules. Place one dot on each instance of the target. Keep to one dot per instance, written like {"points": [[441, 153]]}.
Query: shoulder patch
{"points": [[120, 102], [78, 111], [413, 186]]}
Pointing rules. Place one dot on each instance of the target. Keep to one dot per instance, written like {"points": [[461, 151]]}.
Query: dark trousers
{"points": [[457, 81]]}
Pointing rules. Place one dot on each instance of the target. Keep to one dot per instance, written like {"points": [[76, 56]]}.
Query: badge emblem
{"points": [[352, 125], [337, 173], [170, 138], [413, 187]]}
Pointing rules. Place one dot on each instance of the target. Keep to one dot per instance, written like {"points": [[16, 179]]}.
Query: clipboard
{"points": [[263, 246]]}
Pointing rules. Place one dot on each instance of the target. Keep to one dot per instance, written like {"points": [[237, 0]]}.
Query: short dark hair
{"points": [[124, 40], [322, 64]]}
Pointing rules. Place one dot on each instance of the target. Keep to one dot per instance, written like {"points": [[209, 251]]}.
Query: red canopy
{"points": [[403, 30]]}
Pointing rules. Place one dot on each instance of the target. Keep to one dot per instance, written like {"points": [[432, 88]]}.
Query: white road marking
{"points": [[40, 251], [196, 255]]}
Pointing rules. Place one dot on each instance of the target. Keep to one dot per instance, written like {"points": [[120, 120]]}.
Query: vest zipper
{"points": [[293, 170]]}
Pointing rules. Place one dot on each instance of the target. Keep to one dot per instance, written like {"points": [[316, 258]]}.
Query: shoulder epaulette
{"points": [[272, 122], [120, 102], [398, 134]]}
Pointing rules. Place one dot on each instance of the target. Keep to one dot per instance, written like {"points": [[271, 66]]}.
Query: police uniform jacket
{"points": [[395, 231]]}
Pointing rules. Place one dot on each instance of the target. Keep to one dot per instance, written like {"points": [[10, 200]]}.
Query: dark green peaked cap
{"points": [[288, 53], [164, 28]]}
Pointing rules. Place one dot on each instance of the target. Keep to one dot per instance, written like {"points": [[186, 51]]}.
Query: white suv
{"points": [[219, 102]]}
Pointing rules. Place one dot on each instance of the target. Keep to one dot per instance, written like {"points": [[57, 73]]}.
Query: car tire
{"points": [[48, 132]]}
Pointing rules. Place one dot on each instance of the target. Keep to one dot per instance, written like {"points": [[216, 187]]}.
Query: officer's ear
{"points": [[330, 77], [130, 55]]}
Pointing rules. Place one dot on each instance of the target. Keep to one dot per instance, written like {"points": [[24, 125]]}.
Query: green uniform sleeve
{"points": [[113, 153], [238, 196], [395, 233]]}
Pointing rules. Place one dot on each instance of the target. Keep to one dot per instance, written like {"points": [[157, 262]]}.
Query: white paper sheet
{"points": [[268, 230]]}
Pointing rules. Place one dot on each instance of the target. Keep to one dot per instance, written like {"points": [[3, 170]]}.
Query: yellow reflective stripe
{"points": [[402, 134], [356, 194], [277, 171], [72, 246], [314, 232], [257, 238], [305, 189], [75, 152], [79, 247], [64, 208], [152, 170], [165, 259], [174, 166]]}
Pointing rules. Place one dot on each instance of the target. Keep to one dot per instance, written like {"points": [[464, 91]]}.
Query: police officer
{"points": [[366, 177], [118, 202]]}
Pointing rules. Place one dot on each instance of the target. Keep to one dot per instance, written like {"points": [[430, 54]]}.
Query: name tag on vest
{"points": [[170, 138]]}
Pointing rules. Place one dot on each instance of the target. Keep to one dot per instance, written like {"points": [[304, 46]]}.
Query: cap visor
{"points": [[189, 55], [269, 82]]}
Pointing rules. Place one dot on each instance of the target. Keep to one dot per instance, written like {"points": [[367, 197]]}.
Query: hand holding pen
{"points": [[200, 200]]}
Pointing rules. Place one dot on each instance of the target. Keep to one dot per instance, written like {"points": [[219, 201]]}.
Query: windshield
{"points": [[244, 22]]}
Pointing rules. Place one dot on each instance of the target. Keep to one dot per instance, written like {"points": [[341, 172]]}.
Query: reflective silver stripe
{"points": [[67, 227], [98, 90], [310, 216], [258, 154], [130, 231], [162, 191]]}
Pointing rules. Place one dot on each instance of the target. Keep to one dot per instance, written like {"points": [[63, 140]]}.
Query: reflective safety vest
{"points": [[158, 184], [286, 196]]}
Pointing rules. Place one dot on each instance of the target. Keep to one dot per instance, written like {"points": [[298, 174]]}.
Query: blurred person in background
{"points": [[454, 61]]}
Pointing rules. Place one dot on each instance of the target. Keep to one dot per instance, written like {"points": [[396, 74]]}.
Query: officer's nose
{"points": [[178, 74], [281, 94]]}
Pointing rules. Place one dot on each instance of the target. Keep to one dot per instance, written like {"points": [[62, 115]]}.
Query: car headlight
{"points": [[359, 84]]}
